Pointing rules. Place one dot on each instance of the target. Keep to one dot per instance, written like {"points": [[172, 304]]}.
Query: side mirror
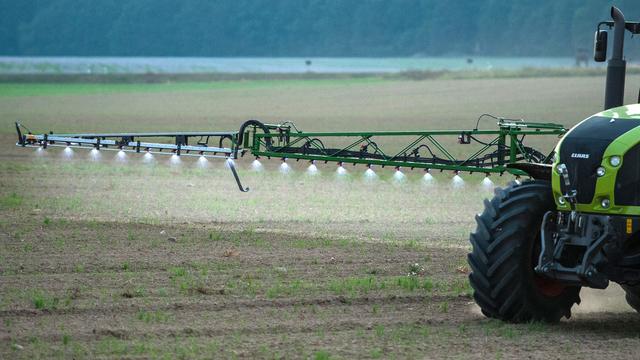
{"points": [[600, 46]]}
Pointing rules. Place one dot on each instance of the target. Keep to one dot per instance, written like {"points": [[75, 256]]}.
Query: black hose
{"points": [[256, 123], [483, 115]]}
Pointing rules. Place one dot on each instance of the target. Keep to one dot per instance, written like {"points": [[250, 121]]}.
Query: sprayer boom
{"points": [[491, 151], [137, 142], [494, 150]]}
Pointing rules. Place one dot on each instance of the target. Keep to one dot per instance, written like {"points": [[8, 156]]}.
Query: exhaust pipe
{"points": [[616, 67]]}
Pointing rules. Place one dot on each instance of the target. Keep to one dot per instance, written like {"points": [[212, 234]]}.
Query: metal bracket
{"points": [[571, 195], [21, 141], [588, 232]]}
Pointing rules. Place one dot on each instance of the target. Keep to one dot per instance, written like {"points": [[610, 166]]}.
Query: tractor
{"points": [[577, 221]]}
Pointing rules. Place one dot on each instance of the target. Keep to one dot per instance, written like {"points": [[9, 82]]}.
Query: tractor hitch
{"points": [[589, 249], [571, 248]]}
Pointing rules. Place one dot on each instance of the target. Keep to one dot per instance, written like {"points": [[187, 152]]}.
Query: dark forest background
{"points": [[301, 27]]}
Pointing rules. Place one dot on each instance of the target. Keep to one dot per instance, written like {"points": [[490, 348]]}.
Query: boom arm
{"points": [[418, 149], [151, 143], [495, 150]]}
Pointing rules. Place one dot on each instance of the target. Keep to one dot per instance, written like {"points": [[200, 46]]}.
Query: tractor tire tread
{"points": [[500, 260]]}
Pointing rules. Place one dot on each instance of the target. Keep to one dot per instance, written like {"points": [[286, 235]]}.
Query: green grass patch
{"points": [[43, 301], [215, 236], [246, 286], [356, 285], [362, 285], [176, 272], [290, 289], [50, 89], [444, 307], [11, 201], [136, 292], [153, 316], [411, 283], [322, 355], [310, 243], [78, 268], [194, 281]]}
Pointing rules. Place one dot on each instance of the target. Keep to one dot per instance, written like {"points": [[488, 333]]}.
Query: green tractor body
{"points": [[538, 242], [592, 236], [609, 142]]}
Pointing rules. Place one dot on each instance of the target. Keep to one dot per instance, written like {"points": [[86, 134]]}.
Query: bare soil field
{"points": [[100, 260], [88, 289]]}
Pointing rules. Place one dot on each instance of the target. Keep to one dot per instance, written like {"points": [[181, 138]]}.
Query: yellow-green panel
{"points": [[605, 185]]}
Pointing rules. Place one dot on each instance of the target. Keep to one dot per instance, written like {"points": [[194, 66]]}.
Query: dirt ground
{"points": [[99, 260], [86, 289]]}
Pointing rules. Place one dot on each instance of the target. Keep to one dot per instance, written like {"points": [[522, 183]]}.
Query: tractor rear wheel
{"points": [[506, 246]]}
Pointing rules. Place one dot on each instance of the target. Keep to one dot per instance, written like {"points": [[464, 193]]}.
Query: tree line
{"points": [[308, 28]]}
